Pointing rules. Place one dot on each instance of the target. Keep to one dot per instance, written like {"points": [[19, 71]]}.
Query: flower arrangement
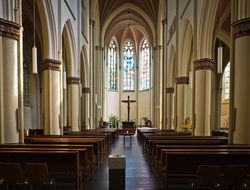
{"points": [[113, 120]]}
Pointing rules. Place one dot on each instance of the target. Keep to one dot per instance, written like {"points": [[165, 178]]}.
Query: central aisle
{"points": [[139, 175]]}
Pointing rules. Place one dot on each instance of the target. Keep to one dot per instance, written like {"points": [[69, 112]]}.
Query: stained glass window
{"points": [[144, 66], [128, 67], [226, 83], [112, 66]]}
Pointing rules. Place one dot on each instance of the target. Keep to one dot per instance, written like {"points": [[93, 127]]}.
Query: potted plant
{"points": [[147, 122], [113, 120], [145, 119]]}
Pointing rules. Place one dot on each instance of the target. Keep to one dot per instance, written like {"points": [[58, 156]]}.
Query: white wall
{"points": [[112, 104], [143, 106]]}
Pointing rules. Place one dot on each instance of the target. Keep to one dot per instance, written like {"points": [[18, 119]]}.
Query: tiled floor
{"points": [[139, 175]]}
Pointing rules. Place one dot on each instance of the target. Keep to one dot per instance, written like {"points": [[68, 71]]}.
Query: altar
{"points": [[128, 124]]}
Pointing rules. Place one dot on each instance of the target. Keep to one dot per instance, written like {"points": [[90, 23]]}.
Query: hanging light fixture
{"points": [[219, 59], [34, 50], [219, 50]]}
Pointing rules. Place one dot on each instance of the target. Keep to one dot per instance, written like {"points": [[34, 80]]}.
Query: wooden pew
{"points": [[97, 142], [90, 159], [142, 131], [183, 140], [161, 135], [160, 153], [66, 161], [181, 163]]}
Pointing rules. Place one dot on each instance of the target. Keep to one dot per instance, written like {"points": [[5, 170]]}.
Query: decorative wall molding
{"points": [[241, 28], [170, 90], [9, 29], [204, 64], [182, 80], [51, 64], [85, 90], [73, 80]]}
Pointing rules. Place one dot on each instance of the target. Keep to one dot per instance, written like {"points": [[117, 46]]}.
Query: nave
{"points": [[139, 174]]}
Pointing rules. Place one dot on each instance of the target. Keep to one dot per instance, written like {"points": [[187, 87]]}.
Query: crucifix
{"points": [[128, 101]]}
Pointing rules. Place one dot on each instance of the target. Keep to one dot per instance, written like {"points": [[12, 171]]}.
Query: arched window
{"points": [[128, 67], [112, 66], [226, 84], [144, 66], [26, 94]]}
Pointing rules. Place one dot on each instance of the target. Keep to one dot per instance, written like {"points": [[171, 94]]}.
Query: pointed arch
{"points": [[206, 29], [69, 48], [172, 66], [49, 32], [84, 67], [186, 48]]}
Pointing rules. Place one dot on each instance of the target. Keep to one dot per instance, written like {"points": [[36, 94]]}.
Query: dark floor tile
{"points": [[139, 175]]}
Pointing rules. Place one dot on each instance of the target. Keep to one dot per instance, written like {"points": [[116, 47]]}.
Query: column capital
{"points": [[85, 90], [51, 64], [204, 64], [73, 80], [164, 21], [98, 48], [241, 28], [92, 22], [158, 47], [170, 90], [182, 80], [9, 29]]}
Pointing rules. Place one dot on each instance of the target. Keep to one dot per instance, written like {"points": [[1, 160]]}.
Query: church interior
{"points": [[160, 83]]}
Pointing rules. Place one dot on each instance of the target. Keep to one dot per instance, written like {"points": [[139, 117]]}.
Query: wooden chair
{"points": [[38, 174], [235, 177], [207, 177], [11, 175]]}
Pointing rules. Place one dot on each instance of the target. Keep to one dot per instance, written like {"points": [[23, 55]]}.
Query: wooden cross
{"points": [[128, 101]]}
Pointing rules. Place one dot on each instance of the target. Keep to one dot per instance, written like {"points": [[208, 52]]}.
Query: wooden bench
{"points": [[90, 160], [181, 140], [160, 153], [97, 142], [60, 161], [181, 163]]}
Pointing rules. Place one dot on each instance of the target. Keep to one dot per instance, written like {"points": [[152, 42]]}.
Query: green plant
{"points": [[145, 119], [147, 122], [113, 120]]}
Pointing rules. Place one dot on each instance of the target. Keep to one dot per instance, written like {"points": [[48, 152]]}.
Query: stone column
{"points": [[241, 69], [92, 75], [181, 83], [85, 106], [164, 73], [9, 36], [170, 102], [51, 96], [203, 73], [73, 103], [157, 86], [99, 84]]}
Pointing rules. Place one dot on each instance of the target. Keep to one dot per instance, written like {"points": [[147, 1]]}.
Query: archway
{"points": [[70, 92], [32, 83]]}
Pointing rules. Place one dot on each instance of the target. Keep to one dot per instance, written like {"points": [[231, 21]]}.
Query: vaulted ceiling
{"points": [[108, 6], [128, 23]]}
